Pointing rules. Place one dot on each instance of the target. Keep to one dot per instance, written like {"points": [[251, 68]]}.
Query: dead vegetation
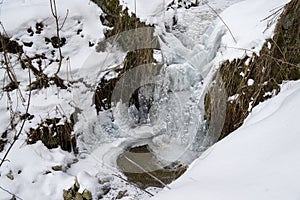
{"points": [[53, 133], [73, 193], [278, 60]]}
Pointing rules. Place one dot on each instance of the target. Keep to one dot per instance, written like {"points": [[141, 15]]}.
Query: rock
{"points": [[57, 168], [10, 176]]}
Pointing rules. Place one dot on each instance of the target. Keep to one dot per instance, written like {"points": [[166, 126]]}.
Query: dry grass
{"points": [[268, 70]]}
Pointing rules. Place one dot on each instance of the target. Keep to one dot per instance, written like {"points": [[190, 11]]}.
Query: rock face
{"points": [[278, 60], [140, 166]]}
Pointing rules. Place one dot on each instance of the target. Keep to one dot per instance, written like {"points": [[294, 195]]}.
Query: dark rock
{"points": [[30, 31], [4, 134]]}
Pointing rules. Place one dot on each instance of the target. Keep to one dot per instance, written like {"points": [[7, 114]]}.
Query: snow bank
{"points": [[246, 22], [260, 160]]}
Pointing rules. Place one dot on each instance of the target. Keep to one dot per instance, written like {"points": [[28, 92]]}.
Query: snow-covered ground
{"points": [[258, 161]]}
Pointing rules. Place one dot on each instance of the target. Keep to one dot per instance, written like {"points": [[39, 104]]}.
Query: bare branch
{"points": [[64, 20], [221, 20], [54, 13], [16, 137], [2, 188]]}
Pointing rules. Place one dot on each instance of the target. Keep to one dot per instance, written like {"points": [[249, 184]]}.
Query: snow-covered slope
{"points": [[260, 160]]}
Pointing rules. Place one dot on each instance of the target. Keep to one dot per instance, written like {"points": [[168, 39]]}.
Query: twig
{"points": [[221, 20], [275, 59], [16, 137], [274, 13], [2, 188], [54, 13], [64, 20]]}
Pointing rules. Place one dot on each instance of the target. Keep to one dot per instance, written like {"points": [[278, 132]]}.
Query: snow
{"points": [[250, 82], [260, 160], [245, 21], [247, 163], [32, 169]]}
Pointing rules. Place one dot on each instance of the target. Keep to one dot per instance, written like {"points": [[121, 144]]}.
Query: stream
{"points": [[167, 130]]}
